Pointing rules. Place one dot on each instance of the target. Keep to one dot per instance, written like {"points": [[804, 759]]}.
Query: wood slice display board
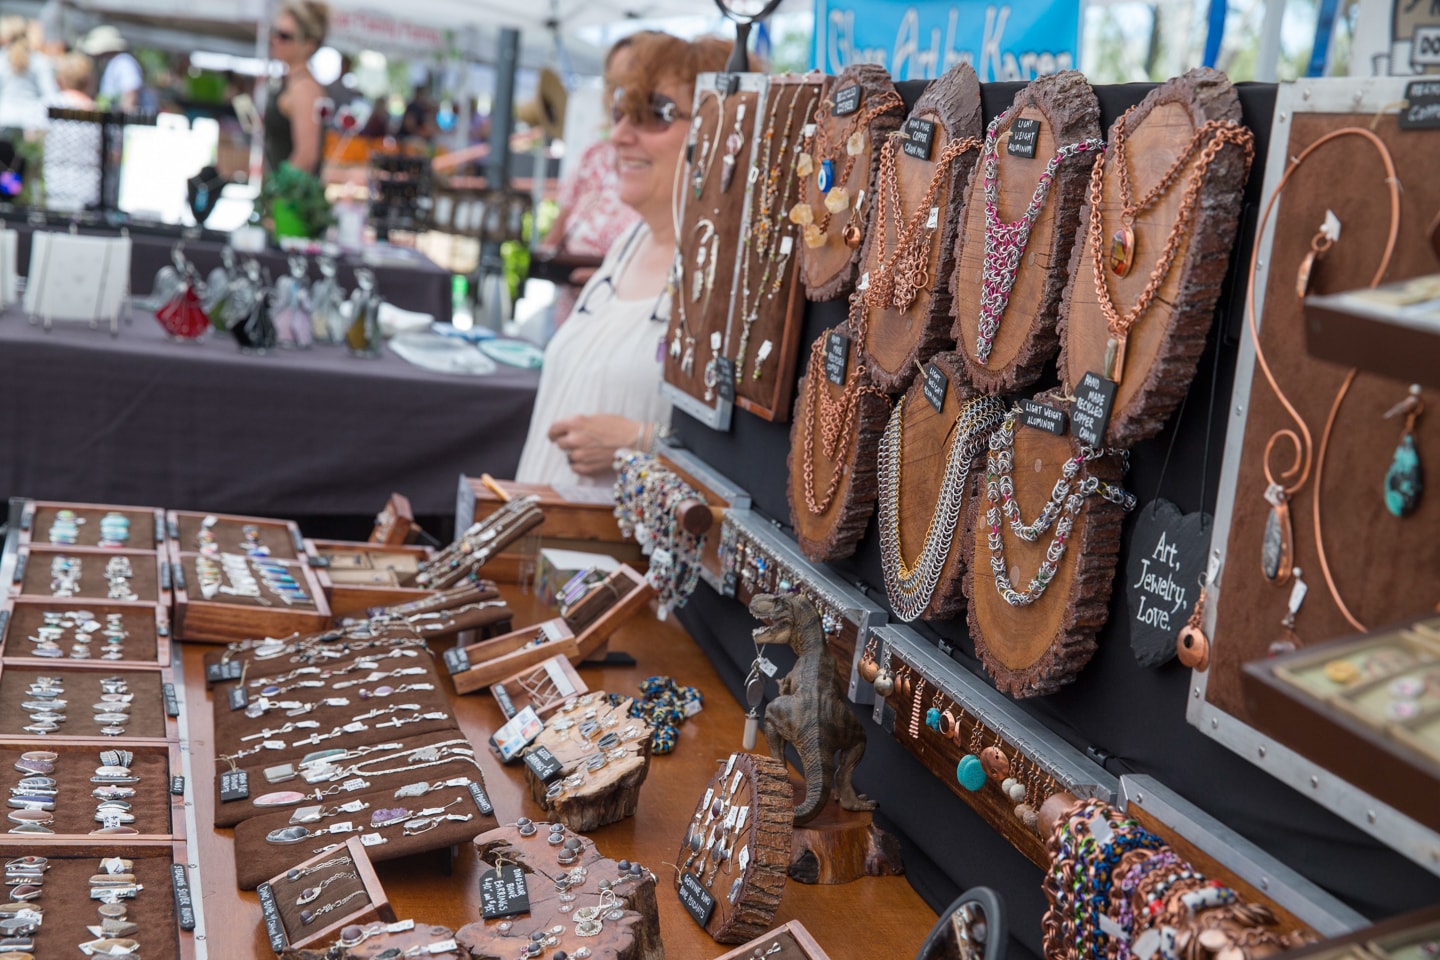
{"points": [[789, 941], [726, 117], [1165, 338], [734, 857], [1384, 567], [156, 812], [292, 901], [1067, 113], [910, 252], [84, 684], [832, 485], [93, 574], [930, 461], [116, 633], [1035, 649], [358, 576], [580, 794], [861, 102], [562, 883], [769, 305], [38, 524]]}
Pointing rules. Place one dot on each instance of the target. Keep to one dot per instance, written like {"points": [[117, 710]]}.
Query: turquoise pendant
{"points": [[825, 179], [1404, 480]]}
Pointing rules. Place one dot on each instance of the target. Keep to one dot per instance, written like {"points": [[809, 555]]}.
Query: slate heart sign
{"points": [[1165, 561]]}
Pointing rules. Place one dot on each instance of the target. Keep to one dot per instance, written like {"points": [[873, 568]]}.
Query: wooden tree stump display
{"points": [[770, 301], [841, 845], [1160, 262], [929, 460], [582, 796], [1023, 341], [722, 137], [839, 417], [837, 175], [735, 854], [566, 880], [910, 251], [1034, 648]]}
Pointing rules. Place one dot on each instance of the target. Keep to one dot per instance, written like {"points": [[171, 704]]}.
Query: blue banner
{"points": [[920, 41]]}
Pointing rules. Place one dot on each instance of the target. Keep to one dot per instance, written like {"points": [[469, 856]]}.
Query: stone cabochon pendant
{"points": [[1115, 358], [1404, 481], [1277, 550], [1122, 251]]}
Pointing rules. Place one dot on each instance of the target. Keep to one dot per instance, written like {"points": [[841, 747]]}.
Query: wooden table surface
{"points": [[872, 916]]}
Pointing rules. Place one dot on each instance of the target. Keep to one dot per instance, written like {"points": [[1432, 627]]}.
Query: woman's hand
{"points": [[589, 441]]}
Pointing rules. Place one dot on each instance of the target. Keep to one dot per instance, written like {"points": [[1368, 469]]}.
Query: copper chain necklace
{"points": [[837, 195], [836, 416]]}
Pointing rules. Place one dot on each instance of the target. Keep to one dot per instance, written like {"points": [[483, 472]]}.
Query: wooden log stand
{"points": [[839, 846], [734, 858], [899, 339], [1167, 338], [595, 797], [1036, 649], [634, 935], [1026, 340]]}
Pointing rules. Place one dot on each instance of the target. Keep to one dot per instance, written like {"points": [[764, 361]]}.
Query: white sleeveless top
{"points": [[604, 359]]}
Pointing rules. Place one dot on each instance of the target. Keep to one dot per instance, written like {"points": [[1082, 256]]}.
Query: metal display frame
{"points": [[1369, 96]]}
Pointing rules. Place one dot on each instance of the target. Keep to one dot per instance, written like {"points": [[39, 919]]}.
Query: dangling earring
{"points": [[1405, 480], [1192, 646], [1289, 642], [933, 715], [915, 709], [970, 772], [869, 667], [1328, 233]]}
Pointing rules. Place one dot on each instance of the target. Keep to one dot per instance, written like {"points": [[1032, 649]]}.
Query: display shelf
{"points": [[1222, 854], [721, 494], [285, 916], [147, 524], [149, 579], [1406, 937], [357, 576], [1024, 740], [147, 628], [217, 620], [158, 811], [151, 689], [1394, 340], [760, 558], [189, 531]]}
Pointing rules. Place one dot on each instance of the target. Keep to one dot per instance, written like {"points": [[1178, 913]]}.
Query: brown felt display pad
{"points": [[834, 533], [714, 121], [277, 535], [925, 444], [137, 619], [1361, 537], [69, 909], [144, 568], [898, 340], [780, 311], [236, 811], [1034, 650], [1166, 341], [74, 806], [828, 272], [1026, 339], [264, 860], [288, 891], [142, 524], [82, 689], [255, 669]]}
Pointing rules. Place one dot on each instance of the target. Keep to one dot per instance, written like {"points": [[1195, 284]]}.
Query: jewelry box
{"points": [[357, 576], [320, 882]]}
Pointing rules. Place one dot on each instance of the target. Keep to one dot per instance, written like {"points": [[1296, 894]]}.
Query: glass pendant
{"points": [[825, 179], [1404, 481]]}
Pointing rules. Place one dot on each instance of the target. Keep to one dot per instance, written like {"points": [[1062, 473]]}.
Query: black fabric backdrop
{"points": [[1130, 718]]}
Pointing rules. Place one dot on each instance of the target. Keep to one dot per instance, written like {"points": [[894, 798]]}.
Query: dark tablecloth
{"points": [[141, 420], [419, 285]]}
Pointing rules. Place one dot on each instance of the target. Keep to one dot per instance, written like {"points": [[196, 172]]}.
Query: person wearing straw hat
{"points": [[120, 75]]}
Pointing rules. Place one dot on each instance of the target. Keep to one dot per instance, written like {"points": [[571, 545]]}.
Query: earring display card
{"points": [[605, 757], [292, 901], [119, 633], [623, 923], [1349, 547], [92, 525], [841, 154], [1156, 238], [721, 148], [1026, 204], [910, 248], [735, 855], [141, 799], [769, 311], [839, 418], [77, 278], [88, 691], [1036, 632], [68, 574]]}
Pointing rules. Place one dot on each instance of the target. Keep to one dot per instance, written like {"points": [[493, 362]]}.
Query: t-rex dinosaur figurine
{"points": [[810, 711]]}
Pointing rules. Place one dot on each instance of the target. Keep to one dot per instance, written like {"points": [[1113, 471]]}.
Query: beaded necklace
{"points": [[1060, 511], [1005, 243], [831, 187], [911, 586], [646, 499]]}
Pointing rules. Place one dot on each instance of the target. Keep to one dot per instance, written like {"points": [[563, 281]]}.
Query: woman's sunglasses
{"points": [[657, 116], [284, 36]]}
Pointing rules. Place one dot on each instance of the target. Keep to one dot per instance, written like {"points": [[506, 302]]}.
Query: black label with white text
{"points": [[936, 386], [1024, 137], [1042, 416], [919, 139], [847, 101], [837, 357], [1094, 396]]}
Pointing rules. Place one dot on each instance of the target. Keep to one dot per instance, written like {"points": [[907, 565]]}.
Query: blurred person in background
{"points": [[121, 78], [293, 130], [27, 77], [72, 147]]}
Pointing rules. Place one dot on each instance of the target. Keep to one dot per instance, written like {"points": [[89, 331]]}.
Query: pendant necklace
{"points": [[733, 143], [702, 281], [833, 188], [1005, 243], [904, 271], [836, 416], [912, 586], [1214, 134], [706, 158]]}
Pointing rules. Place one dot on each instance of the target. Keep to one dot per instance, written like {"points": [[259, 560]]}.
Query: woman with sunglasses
{"points": [[599, 390], [292, 120]]}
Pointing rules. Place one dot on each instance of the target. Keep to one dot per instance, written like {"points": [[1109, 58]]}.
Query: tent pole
{"points": [[1267, 61], [262, 90], [497, 177]]}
